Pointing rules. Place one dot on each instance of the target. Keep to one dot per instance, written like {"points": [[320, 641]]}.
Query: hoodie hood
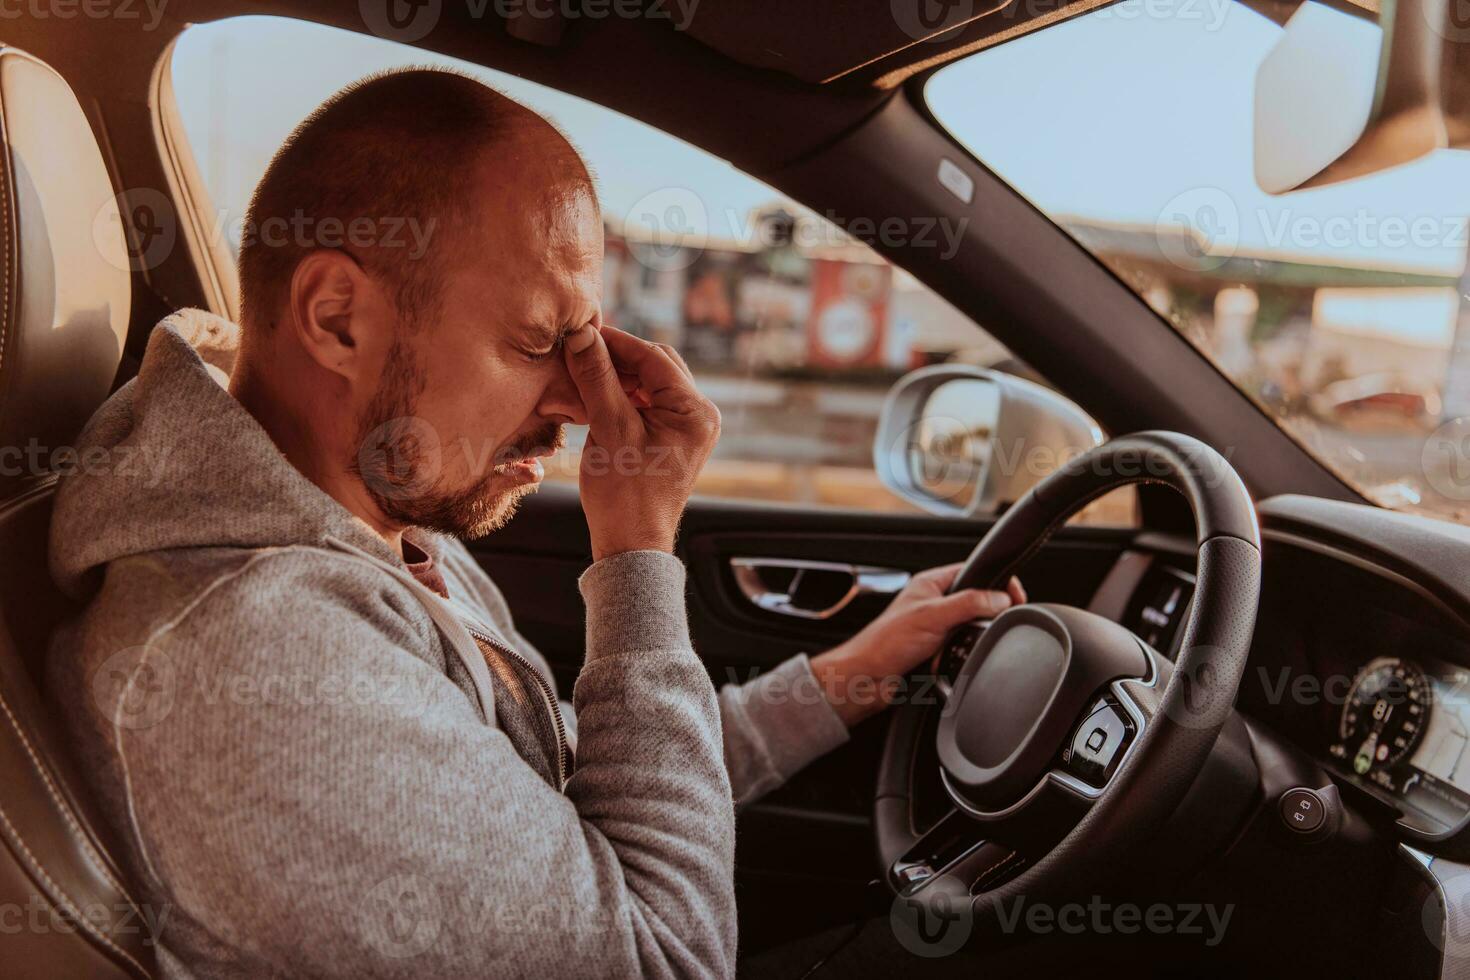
{"points": [[172, 460]]}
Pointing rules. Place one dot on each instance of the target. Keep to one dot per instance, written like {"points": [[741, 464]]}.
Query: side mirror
{"points": [[1340, 97], [963, 441]]}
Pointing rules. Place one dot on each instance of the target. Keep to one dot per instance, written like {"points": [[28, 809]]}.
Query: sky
{"points": [[1138, 113], [1146, 109]]}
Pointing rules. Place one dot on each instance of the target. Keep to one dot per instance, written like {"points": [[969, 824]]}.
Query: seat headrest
{"points": [[64, 269]]}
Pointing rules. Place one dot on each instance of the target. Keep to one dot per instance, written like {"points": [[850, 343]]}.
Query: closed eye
{"points": [[537, 356]]}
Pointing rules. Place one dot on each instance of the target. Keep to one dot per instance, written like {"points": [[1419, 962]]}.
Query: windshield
{"points": [[1337, 309]]}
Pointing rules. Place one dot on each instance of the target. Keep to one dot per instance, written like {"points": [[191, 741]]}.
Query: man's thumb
{"points": [[592, 371]]}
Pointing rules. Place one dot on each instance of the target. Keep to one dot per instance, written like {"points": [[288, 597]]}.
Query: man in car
{"points": [[307, 712]]}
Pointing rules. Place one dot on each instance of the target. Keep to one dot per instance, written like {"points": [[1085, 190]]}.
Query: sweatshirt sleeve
{"points": [[364, 821], [775, 725]]}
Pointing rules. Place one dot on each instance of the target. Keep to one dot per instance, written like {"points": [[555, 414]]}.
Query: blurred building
{"points": [[797, 333], [1349, 346], [775, 305]]}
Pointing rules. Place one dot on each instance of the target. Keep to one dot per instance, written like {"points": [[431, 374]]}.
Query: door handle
{"points": [[755, 577]]}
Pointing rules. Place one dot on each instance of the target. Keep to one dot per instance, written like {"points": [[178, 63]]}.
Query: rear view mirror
{"points": [[1340, 97], [962, 441]]}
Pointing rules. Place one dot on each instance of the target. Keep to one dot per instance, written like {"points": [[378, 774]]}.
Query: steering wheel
{"points": [[1064, 740]]}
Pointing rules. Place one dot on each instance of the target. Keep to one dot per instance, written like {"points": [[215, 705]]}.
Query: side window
{"points": [[796, 330]]}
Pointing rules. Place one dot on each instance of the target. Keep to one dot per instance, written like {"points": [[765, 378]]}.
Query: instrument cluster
{"points": [[1404, 729]]}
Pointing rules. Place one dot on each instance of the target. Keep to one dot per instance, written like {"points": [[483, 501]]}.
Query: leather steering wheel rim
{"points": [[1187, 712]]}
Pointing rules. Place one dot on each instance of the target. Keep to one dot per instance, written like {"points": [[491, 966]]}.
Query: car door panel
{"points": [[537, 558], [729, 628]]}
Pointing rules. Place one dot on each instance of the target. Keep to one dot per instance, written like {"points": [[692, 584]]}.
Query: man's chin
{"points": [[492, 512], [472, 514]]}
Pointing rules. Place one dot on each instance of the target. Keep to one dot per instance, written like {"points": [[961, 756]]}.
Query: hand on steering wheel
{"points": [[861, 676], [1065, 740]]}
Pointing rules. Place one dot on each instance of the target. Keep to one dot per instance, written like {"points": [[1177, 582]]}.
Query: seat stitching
{"points": [[71, 821], [5, 237], [66, 901]]}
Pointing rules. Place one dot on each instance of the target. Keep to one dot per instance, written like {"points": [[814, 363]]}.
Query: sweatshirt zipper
{"points": [[546, 692]]}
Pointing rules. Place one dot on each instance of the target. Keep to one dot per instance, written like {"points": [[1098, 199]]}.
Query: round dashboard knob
{"points": [[1302, 810]]}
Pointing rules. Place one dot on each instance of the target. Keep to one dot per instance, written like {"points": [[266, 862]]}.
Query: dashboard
{"points": [[1371, 676], [1358, 659], [1357, 687], [1403, 729]]}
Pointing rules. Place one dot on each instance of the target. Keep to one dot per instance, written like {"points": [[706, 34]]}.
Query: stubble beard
{"points": [[399, 461]]}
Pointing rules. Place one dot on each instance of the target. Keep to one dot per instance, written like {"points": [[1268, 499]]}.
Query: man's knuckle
{"points": [[627, 431]]}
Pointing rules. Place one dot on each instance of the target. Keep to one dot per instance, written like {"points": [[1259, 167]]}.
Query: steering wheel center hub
{"points": [[1032, 677]]}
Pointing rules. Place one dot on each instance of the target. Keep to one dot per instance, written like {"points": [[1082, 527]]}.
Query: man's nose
{"points": [[560, 401]]}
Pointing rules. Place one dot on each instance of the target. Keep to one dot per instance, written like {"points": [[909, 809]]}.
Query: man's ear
{"points": [[337, 312]]}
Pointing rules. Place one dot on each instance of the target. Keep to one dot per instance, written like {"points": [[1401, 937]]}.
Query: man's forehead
{"points": [[560, 221], [534, 299], [533, 247]]}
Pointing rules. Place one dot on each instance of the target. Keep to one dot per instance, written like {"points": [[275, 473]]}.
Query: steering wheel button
{"points": [[1097, 744]]}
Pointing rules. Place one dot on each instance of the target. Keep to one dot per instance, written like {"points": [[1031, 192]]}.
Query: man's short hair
{"points": [[388, 151]]}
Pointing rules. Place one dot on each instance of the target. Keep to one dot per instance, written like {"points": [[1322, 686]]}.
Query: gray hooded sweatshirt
{"points": [[300, 747]]}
